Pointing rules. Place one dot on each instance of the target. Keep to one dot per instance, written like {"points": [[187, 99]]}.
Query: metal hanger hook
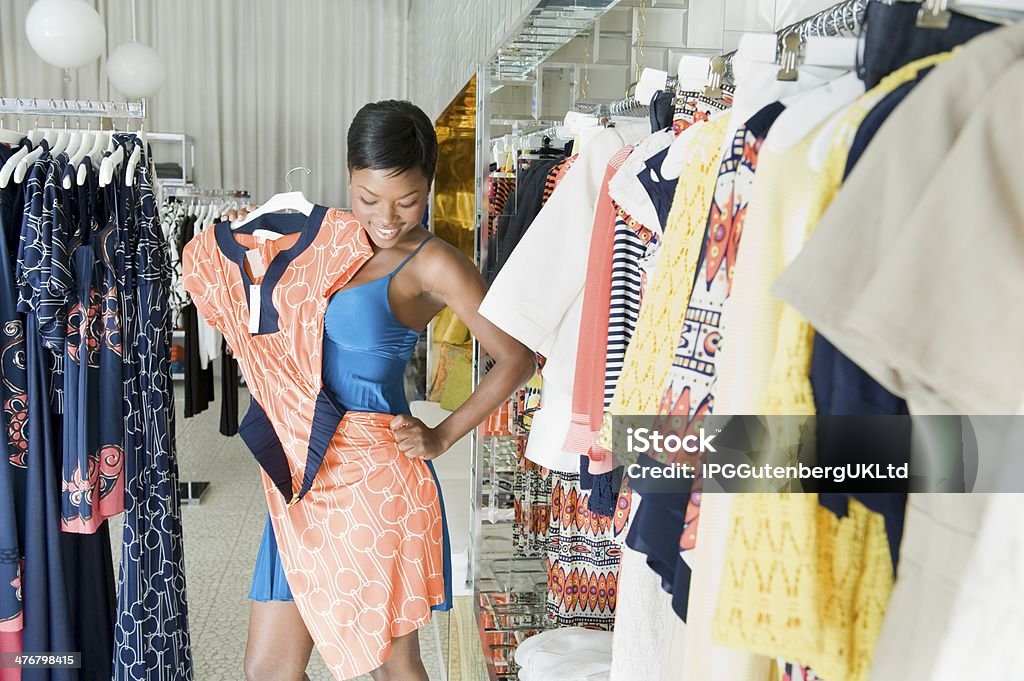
{"points": [[288, 174]]}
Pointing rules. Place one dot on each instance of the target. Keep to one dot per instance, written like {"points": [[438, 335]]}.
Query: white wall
{"points": [[448, 39]]}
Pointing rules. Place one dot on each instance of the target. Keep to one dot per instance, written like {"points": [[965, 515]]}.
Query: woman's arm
{"points": [[454, 280]]}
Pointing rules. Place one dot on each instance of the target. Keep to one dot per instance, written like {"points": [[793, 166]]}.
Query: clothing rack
{"points": [[72, 108], [631, 106], [844, 18], [192, 192]]}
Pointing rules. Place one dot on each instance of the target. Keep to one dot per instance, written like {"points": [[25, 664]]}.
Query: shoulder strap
{"points": [[410, 256]]}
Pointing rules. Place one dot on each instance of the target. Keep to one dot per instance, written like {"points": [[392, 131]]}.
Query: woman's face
{"points": [[388, 205]]}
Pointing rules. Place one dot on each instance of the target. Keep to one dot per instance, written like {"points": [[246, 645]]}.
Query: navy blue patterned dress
{"points": [[13, 396], [152, 636]]}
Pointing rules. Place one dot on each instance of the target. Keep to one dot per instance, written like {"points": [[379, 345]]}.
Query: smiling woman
{"points": [[338, 420]]}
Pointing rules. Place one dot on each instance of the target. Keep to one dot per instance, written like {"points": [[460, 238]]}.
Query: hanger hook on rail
{"points": [[288, 174]]}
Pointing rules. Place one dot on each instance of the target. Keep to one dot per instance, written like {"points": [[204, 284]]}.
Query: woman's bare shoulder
{"points": [[439, 253], [444, 265]]}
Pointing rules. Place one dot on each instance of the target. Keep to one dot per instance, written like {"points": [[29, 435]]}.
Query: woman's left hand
{"points": [[416, 439]]}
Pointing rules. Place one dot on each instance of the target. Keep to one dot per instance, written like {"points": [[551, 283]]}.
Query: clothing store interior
{"points": [[600, 163]]}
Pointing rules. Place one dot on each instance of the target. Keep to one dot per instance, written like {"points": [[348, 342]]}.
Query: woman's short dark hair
{"points": [[392, 135]]}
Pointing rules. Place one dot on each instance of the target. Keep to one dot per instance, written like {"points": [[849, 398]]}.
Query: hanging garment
{"points": [[531, 487], [500, 189], [57, 616], [667, 522], [841, 387], [379, 510], [48, 626], [941, 531], [640, 618], [13, 397], [198, 380], [229, 379], [846, 303], [694, 107], [152, 640], [174, 221], [591, 354], [93, 430], [77, 456], [538, 296], [848, 559], [650, 353], [554, 655], [583, 559], [521, 210], [895, 38], [703, 658]]}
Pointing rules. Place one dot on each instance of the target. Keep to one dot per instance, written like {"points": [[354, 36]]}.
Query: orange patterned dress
{"points": [[358, 524]]}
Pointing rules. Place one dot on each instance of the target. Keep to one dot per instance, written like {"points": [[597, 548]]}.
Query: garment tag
{"points": [[254, 308], [266, 235], [256, 265]]}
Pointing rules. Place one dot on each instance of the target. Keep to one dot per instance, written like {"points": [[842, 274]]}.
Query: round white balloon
{"points": [[65, 33], [136, 70]]}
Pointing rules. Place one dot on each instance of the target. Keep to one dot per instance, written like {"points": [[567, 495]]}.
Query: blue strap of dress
{"points": [[410, 256]]}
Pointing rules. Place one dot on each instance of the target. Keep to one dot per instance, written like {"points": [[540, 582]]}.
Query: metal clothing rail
{"points": [[72, 107], [844, 18], [192, 192], [631, 106]]}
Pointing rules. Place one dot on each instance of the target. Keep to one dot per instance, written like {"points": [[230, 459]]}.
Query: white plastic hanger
{"points": [[133, 160], [7, 171], [85, 143], [75, 143], [693, 77], [936, 13], [290, 200], [807, 110], [111, 163], [99, 141], [63, 140], [31, 157], [650, 83], [692, 73], [10, 137], [200, 214]]}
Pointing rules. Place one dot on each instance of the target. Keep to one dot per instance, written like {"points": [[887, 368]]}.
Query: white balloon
{"points": [[136, 70], [65, 33]]}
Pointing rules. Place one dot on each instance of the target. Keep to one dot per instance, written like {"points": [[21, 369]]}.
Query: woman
{"points": [[370, 328]]}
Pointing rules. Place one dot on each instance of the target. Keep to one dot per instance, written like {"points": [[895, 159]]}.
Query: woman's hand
{"points": [[238, 213], [417, 440]]}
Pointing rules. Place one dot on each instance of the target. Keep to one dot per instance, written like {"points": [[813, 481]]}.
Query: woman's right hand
{"points": [[239, 213]]}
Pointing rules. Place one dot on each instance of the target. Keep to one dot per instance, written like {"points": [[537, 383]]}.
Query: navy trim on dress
{"points": [[259, 436], [283, 223]]}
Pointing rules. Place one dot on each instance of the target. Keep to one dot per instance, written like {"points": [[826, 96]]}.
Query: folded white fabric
{"points": [[566, 654]]}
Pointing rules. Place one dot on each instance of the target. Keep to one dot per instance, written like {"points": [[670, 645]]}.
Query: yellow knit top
{"points": [[663, 311]]}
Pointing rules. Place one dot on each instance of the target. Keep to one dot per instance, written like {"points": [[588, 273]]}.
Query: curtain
{"points": [[262, 85]]}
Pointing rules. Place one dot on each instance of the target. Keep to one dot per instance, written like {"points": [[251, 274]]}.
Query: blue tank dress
{"points": [[366, 350]]}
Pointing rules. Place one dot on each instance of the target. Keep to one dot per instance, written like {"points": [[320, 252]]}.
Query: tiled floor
{"points": [[221, 537]]}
